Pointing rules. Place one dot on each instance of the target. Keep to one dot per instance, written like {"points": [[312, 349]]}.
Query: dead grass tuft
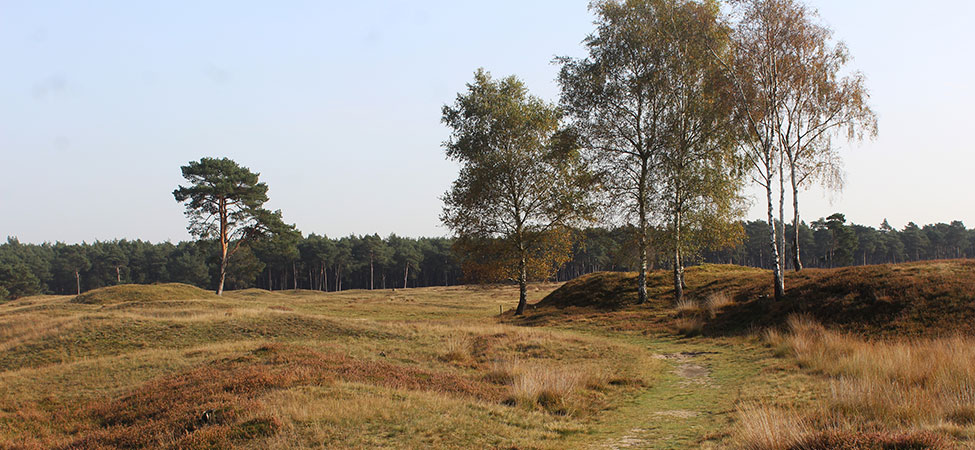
{"points": [[548, 388], [688, 306], [457, 348], [848, 440], [716, 302], [763, 427], [689, 326]]}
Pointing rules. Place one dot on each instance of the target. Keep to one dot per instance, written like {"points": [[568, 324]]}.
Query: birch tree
{"points": [[820, 104], [756, 69], [520, 178], [700, 179], [617, 99]]}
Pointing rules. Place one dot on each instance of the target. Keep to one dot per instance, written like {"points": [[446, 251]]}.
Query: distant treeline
{"points": [[364, 262], [825, 243]]}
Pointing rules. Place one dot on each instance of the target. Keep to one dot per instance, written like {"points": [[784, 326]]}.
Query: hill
{"points": [[112, 295], [930, 298]]}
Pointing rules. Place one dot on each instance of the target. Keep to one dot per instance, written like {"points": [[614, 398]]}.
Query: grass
{"points": [[924, 299], [889, 393], [257, 369], [439, 368], [142, 293]]}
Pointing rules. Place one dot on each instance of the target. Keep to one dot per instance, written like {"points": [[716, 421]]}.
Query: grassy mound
{"points": [[603, 290], [618, 290], [142, 293], [912, 299]]}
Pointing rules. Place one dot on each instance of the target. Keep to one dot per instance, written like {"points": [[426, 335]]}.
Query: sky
{"points": [[337, 105]]}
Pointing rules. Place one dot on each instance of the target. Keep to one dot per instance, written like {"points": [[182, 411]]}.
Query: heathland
{"points": [[872, 357]]}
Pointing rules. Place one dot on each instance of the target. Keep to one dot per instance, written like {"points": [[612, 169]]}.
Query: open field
{"points": [[161, 367]]}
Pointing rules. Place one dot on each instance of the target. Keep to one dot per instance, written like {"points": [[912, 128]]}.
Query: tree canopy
{"points": [[521, 177], [225, 201]]}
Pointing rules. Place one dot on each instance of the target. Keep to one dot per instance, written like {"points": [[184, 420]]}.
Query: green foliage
{"points": [[17, 281], [225, 201], [520, 176]]}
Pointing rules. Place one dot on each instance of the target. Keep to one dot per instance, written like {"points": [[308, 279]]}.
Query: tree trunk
{"points": [[118, 275], [223, 270], [223, 243], [782, 247], [796, 260], [642, 199], [77, 280], [678, 263], [522, 283], [406, 275], [774, 247]]}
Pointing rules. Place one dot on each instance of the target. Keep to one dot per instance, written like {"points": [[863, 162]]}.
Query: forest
{"points": [[370, 261]]}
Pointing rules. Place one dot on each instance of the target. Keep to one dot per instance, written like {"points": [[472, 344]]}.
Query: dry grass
{"points": [[258, 369], [457, 348], [551, 389], [688, 306], [142, 293], [898, 393], [689, 326], [716, 302], [766, 427], [929, 299]]}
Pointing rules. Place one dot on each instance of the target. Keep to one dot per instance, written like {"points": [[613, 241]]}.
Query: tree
{"points": [[617, 99], [225, 201], [316, 251], [915, 242], [73, 259], [844, 242], [188, 264], [700, 179], [406, 253], [17, 281], [279, 253], [756, 71], [818, 103], [374, 249], [520, 177]]}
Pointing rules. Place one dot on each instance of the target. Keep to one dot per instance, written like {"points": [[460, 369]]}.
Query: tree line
{"points": [[287, 261], [360, 262], [828, 242]]}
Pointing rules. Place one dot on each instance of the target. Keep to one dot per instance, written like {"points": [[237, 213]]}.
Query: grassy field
{"points": [[172, 367]]}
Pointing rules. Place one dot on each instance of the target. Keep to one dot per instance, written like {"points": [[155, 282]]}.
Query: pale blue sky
{"points": [[337, 105]]}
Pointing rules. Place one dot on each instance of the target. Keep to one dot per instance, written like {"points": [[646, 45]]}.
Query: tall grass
{"points": [[875, 386], [548, 387]]}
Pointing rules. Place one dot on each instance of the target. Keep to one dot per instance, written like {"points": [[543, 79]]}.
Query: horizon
{"points": [[338, 108]]}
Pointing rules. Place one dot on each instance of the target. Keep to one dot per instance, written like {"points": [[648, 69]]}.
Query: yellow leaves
{"points": [[497, 260]]}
